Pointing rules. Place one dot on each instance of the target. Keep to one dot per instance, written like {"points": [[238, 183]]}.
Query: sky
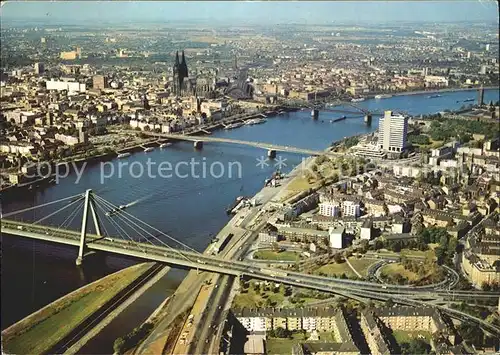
{"points": [[254, 12]]}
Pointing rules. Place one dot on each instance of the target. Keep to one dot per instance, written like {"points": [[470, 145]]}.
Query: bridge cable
{"points": [[120, 215], [118, 228], [38, 206], [116, 224], [147, 239], [72, 215], [59, 210], [123, 215]]}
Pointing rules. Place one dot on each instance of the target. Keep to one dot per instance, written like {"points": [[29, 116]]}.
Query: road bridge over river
{"points": [[198, 140], [190, 258]]}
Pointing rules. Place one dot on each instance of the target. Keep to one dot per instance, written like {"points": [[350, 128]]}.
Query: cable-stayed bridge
{"points": [[135, 238]]}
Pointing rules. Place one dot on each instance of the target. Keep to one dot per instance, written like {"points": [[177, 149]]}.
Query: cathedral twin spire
{"points": [[180, 72]]}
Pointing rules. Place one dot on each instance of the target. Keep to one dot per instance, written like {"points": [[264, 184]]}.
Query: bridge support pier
{"points": [[198, 144], [368, 119], [271, 154], [315, 114], [88, 204]]}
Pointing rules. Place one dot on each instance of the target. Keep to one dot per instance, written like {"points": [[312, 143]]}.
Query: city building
{"points": [[375, 334], [39, 68], [336, 236], [99, 82], [350, 208], [179, 74], [411, 319], [71, 87], [392, 132], [329, 209]]}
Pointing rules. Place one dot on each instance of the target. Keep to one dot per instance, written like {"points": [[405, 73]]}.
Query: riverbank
{"points": [[130, 297], [42, 330], [435, 91]]}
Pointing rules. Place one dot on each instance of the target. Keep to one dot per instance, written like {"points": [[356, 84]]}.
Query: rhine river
{"points": [[188, 208]]}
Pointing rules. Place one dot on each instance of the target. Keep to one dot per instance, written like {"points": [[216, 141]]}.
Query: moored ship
{"points": [[123, 155], [383, 96], [255, 121], [234, 125]]}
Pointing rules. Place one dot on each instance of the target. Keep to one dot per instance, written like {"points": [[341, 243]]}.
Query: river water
{"points": [[190, 209]]}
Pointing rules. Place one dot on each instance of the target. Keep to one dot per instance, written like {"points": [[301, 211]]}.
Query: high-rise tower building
{"points": [[392, 131], [480, 97], [39, 68]]}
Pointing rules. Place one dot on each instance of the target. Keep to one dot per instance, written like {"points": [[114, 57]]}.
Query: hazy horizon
{"points": [[249, 12]]}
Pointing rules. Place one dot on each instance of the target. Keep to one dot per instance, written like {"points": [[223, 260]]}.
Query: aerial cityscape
{"points": [[250, 177]]}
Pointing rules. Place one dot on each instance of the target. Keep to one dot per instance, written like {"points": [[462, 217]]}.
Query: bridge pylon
{"points": [[89, 204]]}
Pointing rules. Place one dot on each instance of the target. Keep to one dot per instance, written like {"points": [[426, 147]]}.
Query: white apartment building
{"points": [[71, 86], [254, 324], [350, 208], [309, 323], [336, 237], [392, 132], [329, 209]]}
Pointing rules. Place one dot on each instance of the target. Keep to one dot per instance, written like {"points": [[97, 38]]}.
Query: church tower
{"points": [[180, 72], [176, 76], [184, 67]]}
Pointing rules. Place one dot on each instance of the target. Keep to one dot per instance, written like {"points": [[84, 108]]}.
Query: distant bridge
{"points": [[198, 140]]}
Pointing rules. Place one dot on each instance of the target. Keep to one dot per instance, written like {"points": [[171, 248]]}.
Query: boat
{"points": [[238, 200], [469, 100], [255, 121], [383, 96], [148, 149], [123, 155], [358, 99], [234, 125], [116, 210], [433, 96], [338, 119], [164, 145]]}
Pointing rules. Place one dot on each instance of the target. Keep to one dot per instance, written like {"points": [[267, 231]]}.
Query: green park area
{"points": [[44, 329], [277, 255], [402, 336], [411, 272], [443, 130], [361, 265], [258, 294], [390, 271]]}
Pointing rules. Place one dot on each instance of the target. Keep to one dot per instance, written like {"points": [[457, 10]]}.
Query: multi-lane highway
{"points": [[348, 288], [200, 261]]}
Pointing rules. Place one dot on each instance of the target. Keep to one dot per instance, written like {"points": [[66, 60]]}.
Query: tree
{"points": [[282, 332], [485, 286], [471, 333], [338, 258], [416, 346], [389, 302], [440, 254], [119, 345]]}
